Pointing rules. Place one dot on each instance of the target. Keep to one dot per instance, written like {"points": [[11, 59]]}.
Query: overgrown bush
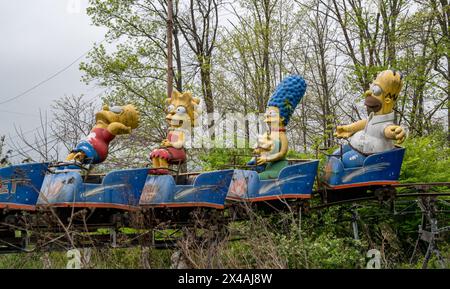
{"points": [[426, 160]]}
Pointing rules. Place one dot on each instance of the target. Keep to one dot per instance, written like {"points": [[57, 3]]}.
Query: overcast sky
{"points": [[39, 38]]}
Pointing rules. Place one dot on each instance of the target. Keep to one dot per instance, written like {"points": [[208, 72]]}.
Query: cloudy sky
{"points": [[40, 38]]}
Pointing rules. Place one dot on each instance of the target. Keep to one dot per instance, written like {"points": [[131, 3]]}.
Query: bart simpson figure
{"points": [[182, 116], [376, 133], [108, 123], [272, 146]]}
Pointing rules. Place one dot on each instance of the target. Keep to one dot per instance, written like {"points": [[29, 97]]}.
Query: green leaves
{"points": [[426, 160]]}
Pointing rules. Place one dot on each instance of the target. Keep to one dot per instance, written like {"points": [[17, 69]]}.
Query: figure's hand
{"points": [[166, 143], [79, 156], [117, 128], [395, 132], [343, 131], [261, 160]]}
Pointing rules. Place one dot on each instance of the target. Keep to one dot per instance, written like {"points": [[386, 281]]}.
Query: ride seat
{"points": [[94, 179]]}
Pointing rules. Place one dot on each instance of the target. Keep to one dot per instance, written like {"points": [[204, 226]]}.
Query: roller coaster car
{"points": [[207, 190], [294, 182], [378, 170], [116, 190], [20, 185]]}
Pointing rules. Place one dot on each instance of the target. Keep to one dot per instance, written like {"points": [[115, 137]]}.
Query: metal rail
{"points": [[222, 218]]}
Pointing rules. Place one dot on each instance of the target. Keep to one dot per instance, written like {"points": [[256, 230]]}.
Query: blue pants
{"points": [[350, 157], [90, 152]]}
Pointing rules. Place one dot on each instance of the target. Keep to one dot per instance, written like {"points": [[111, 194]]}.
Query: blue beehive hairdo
{"points": [[287, 95]]}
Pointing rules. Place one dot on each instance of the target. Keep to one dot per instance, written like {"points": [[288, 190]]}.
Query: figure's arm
{"points": [[277, 156], [117, 128], [346, 131], [395, 132]]}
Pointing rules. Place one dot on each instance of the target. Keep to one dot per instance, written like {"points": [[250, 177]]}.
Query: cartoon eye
{"points": [[272, 113], [170, 108], [376, 90], [181, 110], [116, 109]]}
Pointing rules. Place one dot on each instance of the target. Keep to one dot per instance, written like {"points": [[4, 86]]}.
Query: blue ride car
{"points": [[377, 169], [294, 182], [118, 189], [208, 189], [20, 185]]}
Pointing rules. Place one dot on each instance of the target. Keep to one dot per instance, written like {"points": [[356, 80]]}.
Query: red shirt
{"points": [[100, 138], [172, 137]]}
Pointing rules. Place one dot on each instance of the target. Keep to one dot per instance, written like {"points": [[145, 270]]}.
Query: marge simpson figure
{"points": [[108, 123], [182, 114], [272, 146], [378, 132]]}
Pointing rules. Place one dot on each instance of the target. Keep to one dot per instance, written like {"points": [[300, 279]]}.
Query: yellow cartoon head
{"points": [[127, 115], [272, 117], [384, 92], [182, 110]]}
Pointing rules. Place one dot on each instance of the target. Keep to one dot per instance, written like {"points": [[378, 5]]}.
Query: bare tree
{"points": [[252, 37], [369, 33], [199, 26], [73, 119], [4, 156], [43, 146], [441, 42], [320, 62]]}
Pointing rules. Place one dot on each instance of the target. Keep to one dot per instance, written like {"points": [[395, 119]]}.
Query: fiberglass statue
{"points": [[272, 146], [109, 122], [378, 132], [69, 186], [182, 114]]}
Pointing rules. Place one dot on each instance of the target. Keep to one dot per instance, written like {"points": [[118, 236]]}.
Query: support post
{"points": [[429, 231], [169, 47], [355, 223]]}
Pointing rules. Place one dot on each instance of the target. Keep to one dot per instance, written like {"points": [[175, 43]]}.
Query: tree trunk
{"points": [[205, 75], [179, 74], [169, 48], [448, 100], [267, 36]]}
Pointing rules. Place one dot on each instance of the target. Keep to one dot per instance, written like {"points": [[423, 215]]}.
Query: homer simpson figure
{"points": [[182, 114], [376, 133], [108, 123], [272, 146]]}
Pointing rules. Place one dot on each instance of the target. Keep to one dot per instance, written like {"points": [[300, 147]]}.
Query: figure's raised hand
{"points": [[343, 131], [117, 128], [395, 132]]}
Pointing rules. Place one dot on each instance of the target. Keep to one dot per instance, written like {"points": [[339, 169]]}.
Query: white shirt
{"points": [[372, 139]]}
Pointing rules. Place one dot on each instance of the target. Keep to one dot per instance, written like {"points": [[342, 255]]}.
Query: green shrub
{"points": [[426, 160]]}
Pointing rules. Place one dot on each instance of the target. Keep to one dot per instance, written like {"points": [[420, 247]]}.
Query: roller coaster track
{"points": [[414, 190], [59, 236]]}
